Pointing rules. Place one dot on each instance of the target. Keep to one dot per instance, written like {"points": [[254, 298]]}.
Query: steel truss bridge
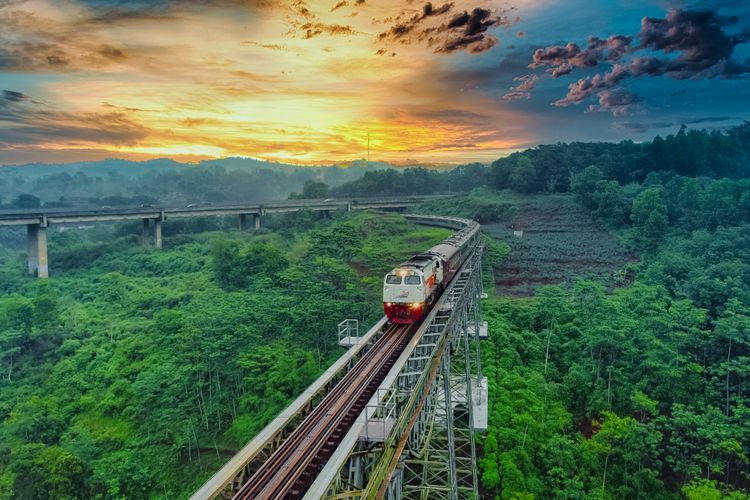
{"points": [[394, 417]]}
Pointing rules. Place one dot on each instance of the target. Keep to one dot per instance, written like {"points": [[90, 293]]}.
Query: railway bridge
{"points": [[38, 220], [394, 417]]}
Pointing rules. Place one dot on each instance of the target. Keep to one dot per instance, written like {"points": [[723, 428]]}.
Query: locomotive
{"points": [[410, 290]]}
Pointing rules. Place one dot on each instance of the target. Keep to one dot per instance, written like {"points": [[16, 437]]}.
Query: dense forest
{"points": [[136, 373], [641, 391], [551, 168]]}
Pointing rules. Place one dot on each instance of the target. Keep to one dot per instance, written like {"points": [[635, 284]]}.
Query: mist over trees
{"points": [[122, 183]]}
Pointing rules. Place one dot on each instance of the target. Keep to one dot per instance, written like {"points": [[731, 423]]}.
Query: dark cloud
{"points": [[112, 53], [312, 30], [31, 122], [464, 31], [401, 29], [683, 45], [342, 3], [561, 60], [13, 96]]}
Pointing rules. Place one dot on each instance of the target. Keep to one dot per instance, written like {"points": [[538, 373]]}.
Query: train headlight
{"points": [[415, 305], [388, 304]]}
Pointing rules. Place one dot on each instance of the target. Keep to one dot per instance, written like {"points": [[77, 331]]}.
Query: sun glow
{"points": [[252, 81]]}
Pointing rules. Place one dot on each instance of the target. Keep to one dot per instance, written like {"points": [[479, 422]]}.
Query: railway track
{"points": [[290, 470]]}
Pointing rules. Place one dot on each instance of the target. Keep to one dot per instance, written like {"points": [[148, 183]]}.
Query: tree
{"points": [[47, 473], [312, 189], [524, 176], [610, 202], [27, 201], [649, 217], [584, 183]]}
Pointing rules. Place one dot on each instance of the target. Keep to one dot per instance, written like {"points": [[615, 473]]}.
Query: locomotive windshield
{"points": [[412, 280], [392, 279]]}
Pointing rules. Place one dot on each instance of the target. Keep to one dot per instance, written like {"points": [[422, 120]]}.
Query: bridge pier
{"points": [[157, 232], [36, 248], [144, 232], [256, 221]]}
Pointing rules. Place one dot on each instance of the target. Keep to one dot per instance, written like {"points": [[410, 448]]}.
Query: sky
{"points": [[332, 81]]}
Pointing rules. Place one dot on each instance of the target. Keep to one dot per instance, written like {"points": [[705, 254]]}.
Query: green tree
{"points": [[584, 183], [610, 202], [649, 217], [524, 176]]}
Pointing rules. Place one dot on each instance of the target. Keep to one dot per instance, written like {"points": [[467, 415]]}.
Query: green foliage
{"points": [[652, 379], [236, 267], [584, 183], [649, 217], [137, 373], [482, 205], [612, 395], [688, 153], [416, 181], [311, 190]]}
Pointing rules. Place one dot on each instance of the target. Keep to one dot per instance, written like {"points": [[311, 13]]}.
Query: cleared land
{"points": [[553, 240]]}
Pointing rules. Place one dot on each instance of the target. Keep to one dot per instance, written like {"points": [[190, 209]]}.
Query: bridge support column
{"points": [[144, 234], [157, 233], [256, 221], [243, 222], [36, 247]]}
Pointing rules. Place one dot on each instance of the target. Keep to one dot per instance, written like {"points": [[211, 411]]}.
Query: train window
{"points": [[412, 280], [392, 279]]}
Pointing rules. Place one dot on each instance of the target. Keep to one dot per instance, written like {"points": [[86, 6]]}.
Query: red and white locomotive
{"points": [[410, 289]]}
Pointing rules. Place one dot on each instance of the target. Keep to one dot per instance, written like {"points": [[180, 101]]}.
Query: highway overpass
{"points": [[39, 219]]}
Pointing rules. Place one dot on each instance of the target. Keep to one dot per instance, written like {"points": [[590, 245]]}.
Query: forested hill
{"points": [[550, 168], [164, 181]]}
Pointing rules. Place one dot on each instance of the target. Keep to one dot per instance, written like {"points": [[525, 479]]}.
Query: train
{"points": [[411, 289]]}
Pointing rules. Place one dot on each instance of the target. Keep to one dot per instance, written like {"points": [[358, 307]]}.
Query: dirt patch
{"points": [[554, 240]]}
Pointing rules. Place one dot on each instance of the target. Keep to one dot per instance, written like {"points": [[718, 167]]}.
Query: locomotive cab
{"points": [[409, 289]]}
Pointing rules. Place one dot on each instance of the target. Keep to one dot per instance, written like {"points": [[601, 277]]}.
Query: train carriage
{"points": [[410, 289]]}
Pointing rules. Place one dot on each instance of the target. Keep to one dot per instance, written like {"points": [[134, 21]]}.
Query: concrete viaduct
{"points": [[38, 220]]}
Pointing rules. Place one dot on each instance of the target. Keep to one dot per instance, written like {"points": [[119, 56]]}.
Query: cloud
{"points": [[616, 102], [342, 3], [562, 59], [312, 30], [683, 45], [401, 29], [467, 30], [33, 122], [13, 96], [523, 89]]}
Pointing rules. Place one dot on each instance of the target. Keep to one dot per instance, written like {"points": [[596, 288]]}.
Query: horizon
{"points": [[357, 163]]}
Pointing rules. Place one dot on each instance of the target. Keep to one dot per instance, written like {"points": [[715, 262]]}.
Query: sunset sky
{"points": [[306, 81]]}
